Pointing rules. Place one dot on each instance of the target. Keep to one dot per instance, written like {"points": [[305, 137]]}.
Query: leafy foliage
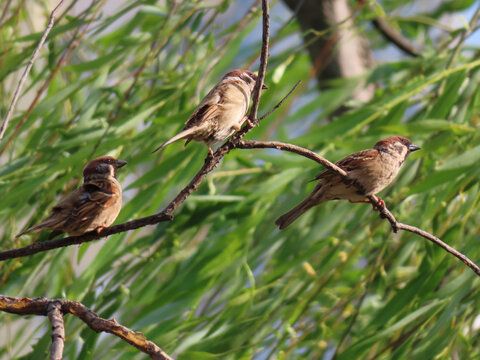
{"points": [[220, 281]]}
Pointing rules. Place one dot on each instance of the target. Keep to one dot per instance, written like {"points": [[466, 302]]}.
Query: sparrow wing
{"points": [[209, 106], [349, 163], [82, 205], [97, 195]]}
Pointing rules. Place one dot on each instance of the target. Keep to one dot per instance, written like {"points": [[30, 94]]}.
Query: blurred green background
{"points": [[220, 281]]}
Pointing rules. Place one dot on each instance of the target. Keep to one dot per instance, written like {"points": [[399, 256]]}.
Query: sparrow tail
{"points": [[50, 223], [33, 228], [181, 135], [286, 219]]}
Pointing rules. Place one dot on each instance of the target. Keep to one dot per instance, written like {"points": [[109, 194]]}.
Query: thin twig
{"points": [[5, 11], [27, 70], [263, 63], [400, 226], [55, 315], [45, 307], [281, 102], [253, 144], [394, 37], [384, 212]]}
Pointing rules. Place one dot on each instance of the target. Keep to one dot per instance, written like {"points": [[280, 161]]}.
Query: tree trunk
{"points": [[340, 52]]}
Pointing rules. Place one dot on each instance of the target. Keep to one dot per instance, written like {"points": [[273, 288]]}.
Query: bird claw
{"points": [[249, 123], [99, 229], [382, 206]]}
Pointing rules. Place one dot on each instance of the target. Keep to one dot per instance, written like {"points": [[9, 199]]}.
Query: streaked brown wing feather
{"points": [[95, 196], [349, 163], [209, 106], [101, 194], [73, 213], [205, 112]]}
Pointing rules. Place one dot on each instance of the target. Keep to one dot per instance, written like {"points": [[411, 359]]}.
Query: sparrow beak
{"points": [[120, 163], [264, 87], [413, 147]]}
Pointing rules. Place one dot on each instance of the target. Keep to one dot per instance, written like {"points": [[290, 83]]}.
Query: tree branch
{"points": [[384, 212], [56, 308], [281, 101], [394, 37], [55, 316], [263, 64], [27, 70], [93, 235]]}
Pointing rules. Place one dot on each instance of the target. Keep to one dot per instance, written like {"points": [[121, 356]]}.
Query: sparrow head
{"points": [[398, 144], [102, 167], [245, 75]]}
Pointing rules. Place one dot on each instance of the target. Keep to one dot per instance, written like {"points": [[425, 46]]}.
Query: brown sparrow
{"points": [[371, 169], [221, 112], [93, 206]]}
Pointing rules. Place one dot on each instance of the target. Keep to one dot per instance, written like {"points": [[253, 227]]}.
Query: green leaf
{"points": [[468, 158]]}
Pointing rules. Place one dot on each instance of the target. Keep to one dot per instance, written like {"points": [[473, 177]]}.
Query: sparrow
{"points": [[221, 112], [93, 206], [371, 170]]}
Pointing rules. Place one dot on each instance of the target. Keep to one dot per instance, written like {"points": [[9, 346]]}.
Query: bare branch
{"points": [[281, 102], [27, 70], [5, 11], [263, 63], [394, 37], [76, 240], [253, 144], [55, 316], [55, 308], [384, 212], [400, 226]]}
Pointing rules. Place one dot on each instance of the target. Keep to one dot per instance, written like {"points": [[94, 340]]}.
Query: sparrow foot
{"points": [[382, 205], [99, 229]]}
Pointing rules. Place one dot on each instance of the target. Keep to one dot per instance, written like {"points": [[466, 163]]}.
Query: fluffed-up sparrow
{"points": [[222, 111], [93, 206], [371, 170]]}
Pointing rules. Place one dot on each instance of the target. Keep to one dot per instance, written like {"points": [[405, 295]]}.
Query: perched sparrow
{"points": [[93, 206], [221, 112], [371, 169]]}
